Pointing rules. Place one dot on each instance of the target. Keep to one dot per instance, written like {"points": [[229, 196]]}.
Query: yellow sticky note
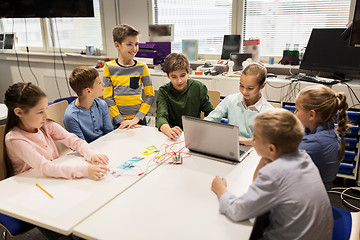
{"points": [[147, 152]]}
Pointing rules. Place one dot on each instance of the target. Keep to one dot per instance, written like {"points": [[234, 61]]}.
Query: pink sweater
{"points": [[36, 150]]}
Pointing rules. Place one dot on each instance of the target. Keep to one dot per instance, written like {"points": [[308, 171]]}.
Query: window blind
{"points": [[204, 20], [280, 22]]}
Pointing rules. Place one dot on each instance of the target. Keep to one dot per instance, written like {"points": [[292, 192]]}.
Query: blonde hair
{"points": [[176, 61], [326, 103], [256, 69], [281, 128], [82, 77], [121, 31]]}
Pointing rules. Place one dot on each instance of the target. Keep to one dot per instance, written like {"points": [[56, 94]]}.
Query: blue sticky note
{"points": [[136, 159], [126, 166]]}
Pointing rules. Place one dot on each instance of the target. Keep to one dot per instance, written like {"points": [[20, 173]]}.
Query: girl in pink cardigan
{"points": [[29, 139]]}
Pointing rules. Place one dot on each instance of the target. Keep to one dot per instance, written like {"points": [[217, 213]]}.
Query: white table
{"points": [[74, 200], [174, 202]]}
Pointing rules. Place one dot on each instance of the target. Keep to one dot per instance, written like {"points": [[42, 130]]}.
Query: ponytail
{"points": [[342, 122], [326, 103]]}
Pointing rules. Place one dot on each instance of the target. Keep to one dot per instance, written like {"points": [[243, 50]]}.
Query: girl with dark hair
{"points": [[29, 138]]}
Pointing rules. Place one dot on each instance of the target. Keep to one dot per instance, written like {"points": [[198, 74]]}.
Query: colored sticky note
{"points": [[147, 152], [151, 147], [136, 159], [126, 166]]}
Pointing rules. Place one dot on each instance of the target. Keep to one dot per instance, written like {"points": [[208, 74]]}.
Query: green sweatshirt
{"points": [[172, 104]]}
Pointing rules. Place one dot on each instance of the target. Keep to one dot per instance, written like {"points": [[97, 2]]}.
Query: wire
{"points": [[62, 58], [351, 91], [343, 193], [53, 42], [17, 56], [28, 54]]}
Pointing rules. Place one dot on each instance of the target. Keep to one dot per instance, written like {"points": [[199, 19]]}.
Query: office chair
{"points": [[214, 97], [12, 225], [346, 224]]}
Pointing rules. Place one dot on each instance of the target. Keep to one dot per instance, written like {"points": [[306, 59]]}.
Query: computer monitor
{"points": [[355, 29], [231, 44], [161, 32], [327, 52]]}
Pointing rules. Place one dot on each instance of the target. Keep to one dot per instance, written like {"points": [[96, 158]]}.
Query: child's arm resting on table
{"points": [[96, 172], [162, 118], [260, 198], [172, 133], [219, 186], [130, 123]]}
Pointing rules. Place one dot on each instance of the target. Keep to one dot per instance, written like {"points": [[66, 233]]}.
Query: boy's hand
{"points": [[96, 172], [99, 159], [219, 186], [246, 141], [127, 124], [174, 133]]}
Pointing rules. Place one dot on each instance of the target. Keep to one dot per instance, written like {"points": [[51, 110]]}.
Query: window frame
{"points": [[237, 22], [46, 41]]}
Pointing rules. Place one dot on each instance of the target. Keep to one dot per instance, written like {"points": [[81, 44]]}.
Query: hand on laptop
{"points": [[172, 133], [246, 141]]}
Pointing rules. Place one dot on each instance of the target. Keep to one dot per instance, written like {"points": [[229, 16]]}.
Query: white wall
{"points": [[133, 12]]}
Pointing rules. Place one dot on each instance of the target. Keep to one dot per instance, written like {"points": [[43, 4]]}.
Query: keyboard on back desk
{"points": [[327, 81]]}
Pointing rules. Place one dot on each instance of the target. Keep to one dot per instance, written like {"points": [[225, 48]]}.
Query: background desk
{"points": [[278, 89], [74, 200], [174, 202]]}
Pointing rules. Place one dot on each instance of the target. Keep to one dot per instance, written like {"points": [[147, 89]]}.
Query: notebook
{"points": [[214, 140]]}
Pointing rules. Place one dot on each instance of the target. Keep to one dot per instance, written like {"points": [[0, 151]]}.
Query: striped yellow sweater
{"points": [[123, 90]]}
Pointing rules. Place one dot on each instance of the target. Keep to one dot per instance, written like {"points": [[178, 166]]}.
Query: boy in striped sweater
{"points": [[124, 79]]}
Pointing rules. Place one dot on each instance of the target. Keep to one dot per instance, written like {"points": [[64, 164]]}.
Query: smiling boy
{"points": [[125, 79], [181, 96]]}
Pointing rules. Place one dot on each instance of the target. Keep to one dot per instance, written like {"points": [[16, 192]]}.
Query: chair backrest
{"points": [[2, 159], [214, 97], [56, 112]]}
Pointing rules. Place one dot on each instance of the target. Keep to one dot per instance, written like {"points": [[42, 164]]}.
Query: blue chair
{"points": [[12, 225], [346, 224], [69, 99]]}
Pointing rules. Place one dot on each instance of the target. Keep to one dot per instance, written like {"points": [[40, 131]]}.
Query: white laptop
{"points": [[215, 140]]}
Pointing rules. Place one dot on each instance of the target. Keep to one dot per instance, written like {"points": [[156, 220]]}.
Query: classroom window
{"points": [[70, 34], [280, 22], [28, 30], [204, 20]]}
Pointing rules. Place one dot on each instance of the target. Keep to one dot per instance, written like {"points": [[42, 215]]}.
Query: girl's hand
{"points": [[99, 159], [127, 124], [246, 141], [219, 186], [97, 172]]}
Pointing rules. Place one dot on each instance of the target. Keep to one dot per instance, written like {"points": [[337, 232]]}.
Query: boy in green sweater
{"points": [[181, 96]]}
